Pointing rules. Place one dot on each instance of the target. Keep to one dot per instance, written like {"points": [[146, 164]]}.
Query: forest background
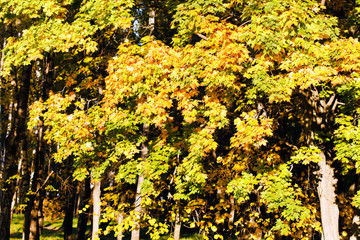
{"points": [[235, 118]]}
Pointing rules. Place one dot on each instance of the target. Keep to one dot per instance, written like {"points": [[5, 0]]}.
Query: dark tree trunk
{"points": [[37, 198], [13, 154], [33, 222], [70, 201], [69, 215]]}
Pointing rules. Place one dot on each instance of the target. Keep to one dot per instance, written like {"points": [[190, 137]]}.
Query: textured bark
{"points": [[37, 198], [96, 209], [16, 135], [177, 228], [232, 210], [319, 117], [26, 168], [327, 196], [135, 234], [33, 221], [69, 209]]}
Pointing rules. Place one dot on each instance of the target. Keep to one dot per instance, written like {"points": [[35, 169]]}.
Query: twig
{"points": [[47, 178]]}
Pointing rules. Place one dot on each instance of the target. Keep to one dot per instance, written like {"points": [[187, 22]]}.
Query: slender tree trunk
{"points": [[70, 202], [327, 196], [26, 168], [135, 234], [177, 229], [23, 151], [96, 209], [84, 216], [17, 134], [232, 211], [41, 213], [33, 222], [77, 203], [34, 204], [69, 215], [48, 79]]}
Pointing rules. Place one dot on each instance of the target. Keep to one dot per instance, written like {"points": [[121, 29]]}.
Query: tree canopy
{"points": [[237, 119]]}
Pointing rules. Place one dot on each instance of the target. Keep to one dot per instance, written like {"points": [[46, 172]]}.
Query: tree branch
{"points": [[201, 36]]}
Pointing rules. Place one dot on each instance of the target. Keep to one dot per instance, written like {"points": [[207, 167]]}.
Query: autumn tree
{"points": [[235, 118]]}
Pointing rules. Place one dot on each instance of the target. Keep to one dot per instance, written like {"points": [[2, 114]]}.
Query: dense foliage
{"points": [[234, 118]]}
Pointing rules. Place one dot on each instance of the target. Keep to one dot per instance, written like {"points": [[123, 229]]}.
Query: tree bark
{"points": [[33, 223], [70, 203], [232, 211], [319, 117], [328, 207], [135, 233], [16, 135], [177, 229], [69, 215], [96, 209]]}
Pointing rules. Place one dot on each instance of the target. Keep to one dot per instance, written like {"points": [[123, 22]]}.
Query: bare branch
{"points": [[45, 181], [337, 103], [330, 102], [201, 36], [248, 21]]}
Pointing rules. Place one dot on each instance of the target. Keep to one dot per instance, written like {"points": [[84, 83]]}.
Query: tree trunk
{"points": [[33, 222], [84, 216], [17, 134], [35, 203], [232, 210], [135, 234], [96, 209], [177, 228], [319, 117], [41, 213], [70, 205], [328, 207], [69, 215]]}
